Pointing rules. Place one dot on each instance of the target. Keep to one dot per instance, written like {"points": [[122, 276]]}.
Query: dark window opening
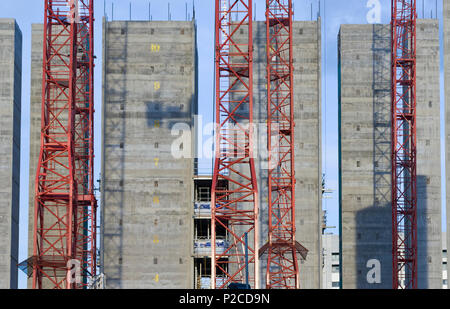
{"points": [[202, 229]]}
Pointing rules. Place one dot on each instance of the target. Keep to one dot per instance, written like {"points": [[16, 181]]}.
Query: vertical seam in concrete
{"points": [[102, 204]]}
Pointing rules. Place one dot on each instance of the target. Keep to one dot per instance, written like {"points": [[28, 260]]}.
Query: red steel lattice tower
{"points": [[282, 249], [64, 250], [234, 201], [404, 157]]}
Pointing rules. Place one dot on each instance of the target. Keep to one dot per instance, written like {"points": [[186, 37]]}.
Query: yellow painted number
{"points": [[155, 200], [155, 48]]}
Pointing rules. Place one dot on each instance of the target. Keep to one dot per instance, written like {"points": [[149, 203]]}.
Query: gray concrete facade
{"points": [[446, 14], [364, 154], [10, 124], [37, 33], [308, 168], [149, 97]]}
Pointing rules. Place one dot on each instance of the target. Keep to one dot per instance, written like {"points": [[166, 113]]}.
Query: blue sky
{"points": [[333, 12]]}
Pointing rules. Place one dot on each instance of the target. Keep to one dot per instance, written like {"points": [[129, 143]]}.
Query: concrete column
{"points": [[446, 14], [10, 113]]}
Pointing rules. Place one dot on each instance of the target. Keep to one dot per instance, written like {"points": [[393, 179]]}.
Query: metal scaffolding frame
{"points": [[404, 143], [283, 251], [64, 238], [235, 207]]}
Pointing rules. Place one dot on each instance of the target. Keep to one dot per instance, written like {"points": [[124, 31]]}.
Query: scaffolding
{"points": [[404, 142], [64, 238]]}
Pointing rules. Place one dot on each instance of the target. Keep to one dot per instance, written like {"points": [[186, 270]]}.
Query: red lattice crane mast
{"points": [[234, 190], [282, 249], [64, 242], [404, 153]]}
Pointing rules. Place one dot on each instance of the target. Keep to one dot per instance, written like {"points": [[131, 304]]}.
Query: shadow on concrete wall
{"points": [[422, 232], [113, 201], [381, 87], [373, 242], [169, 115], [373, 224]]}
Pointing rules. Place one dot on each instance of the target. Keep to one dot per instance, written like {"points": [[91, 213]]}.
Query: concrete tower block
{"points": [[10, 113]]}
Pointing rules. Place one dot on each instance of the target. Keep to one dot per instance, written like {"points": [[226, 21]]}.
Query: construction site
{"points": [[211, 151]]}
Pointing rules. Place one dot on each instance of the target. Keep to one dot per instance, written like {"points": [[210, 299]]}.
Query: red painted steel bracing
{"points": [[282, 266], [234, 206], [404, 181], [64, 253]]}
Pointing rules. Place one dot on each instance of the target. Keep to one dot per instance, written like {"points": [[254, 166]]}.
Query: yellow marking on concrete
{"points": [[157, 85], [155, 48]]}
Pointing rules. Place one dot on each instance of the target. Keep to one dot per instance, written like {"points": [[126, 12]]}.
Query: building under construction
{"points": [[365, 154], [145, 190], [255, 219], [164, 56]]}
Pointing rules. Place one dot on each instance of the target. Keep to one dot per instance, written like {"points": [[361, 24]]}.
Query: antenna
{"points": [[168, 11], [423, 9], [319, 8]]}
